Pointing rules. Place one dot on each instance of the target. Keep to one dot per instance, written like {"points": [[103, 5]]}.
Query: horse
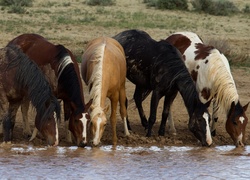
{"points": [[62, 70], [211, 73], [20, 77], [157, 66], [103, 69]]}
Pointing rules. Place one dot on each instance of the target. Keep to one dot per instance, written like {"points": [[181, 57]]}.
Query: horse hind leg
{"points": [[123, 111], [26, 126]]}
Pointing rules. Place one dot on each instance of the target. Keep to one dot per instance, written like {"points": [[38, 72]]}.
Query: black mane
{"points": [[69, 81]]}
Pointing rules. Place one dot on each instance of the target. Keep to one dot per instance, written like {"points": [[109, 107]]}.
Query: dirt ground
{"points": [[137, 138]]}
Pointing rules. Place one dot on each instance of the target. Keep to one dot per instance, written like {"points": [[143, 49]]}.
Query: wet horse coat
{"points": [[158, 67], [61, 68], [211, 72], [104, 71], [20, 77]]}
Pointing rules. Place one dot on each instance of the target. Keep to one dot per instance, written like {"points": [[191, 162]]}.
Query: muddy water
{"points": [[28, 162]]}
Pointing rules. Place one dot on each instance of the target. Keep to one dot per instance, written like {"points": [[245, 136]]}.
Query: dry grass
{"points": [[73, 23]]}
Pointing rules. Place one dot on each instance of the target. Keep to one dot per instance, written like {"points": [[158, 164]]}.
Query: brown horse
{"points": [[61, 68], [104, 71], [20, 77]]}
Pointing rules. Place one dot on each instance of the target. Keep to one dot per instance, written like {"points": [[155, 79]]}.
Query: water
{"points": [[30, 162]]}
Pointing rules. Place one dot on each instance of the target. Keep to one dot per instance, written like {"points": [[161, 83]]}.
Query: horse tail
{"points": [[29, 76]]}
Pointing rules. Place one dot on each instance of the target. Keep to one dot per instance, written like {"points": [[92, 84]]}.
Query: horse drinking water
{"points": [[62, 70], [104, 71], [20, 77], [211, 72], [158, 67]]}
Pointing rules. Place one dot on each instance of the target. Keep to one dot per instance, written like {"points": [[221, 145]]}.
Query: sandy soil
{"points": [[235, 29]]}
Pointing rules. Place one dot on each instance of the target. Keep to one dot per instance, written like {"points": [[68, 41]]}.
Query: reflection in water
{"points": [[223, 162]]}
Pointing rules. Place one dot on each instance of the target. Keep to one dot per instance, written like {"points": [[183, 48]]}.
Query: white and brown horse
{"points": [[104, 71], [211, 72]]}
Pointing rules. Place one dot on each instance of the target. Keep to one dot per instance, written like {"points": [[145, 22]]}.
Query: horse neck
{"points": [[223, 88], [69, 80], [189, 94], [97, 92]]}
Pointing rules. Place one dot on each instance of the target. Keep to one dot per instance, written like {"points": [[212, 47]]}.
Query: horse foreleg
{"points": [[24, 110], [123, 111], [128, 123], [114, 102], [166, 113], [9, 122], [138, 95], [214, 118], [153, 110]]}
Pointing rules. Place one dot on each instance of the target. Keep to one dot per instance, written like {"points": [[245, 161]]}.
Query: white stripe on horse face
{"points": [[57, 133], [97, 133], [208, 133], [241, 119], [84, 123]]}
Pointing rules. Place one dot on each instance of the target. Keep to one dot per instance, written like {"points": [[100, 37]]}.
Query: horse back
{"points": [[36, 48], [109, 55]]}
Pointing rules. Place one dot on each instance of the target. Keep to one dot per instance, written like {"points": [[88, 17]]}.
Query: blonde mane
{"points": [[95, 81], [224, 89]]}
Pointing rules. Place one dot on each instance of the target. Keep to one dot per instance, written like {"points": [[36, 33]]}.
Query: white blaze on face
{"points": [[242, 119], [84, 123], [96, 139], [57, 134], [208, 133]]}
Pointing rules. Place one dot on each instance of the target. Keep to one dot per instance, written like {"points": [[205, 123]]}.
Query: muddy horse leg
{"points": [[123, 110], [138, 97], [153, 110], [166, 113], [24, 110], [114, 103]]}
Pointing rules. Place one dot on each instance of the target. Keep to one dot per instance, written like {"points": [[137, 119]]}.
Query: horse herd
{"points": [[37, 71]]}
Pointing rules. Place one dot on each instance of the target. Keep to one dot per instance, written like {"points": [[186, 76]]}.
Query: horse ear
{"points": [[232, 109], [246, 106]]}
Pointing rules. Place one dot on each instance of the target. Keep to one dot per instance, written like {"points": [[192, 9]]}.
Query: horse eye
{"points": [[234, 122]]}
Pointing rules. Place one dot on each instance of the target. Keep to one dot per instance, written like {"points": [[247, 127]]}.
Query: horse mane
{"points": [[171, 59], [224, 89], [30, 76], [68, 78], [95, 81]]}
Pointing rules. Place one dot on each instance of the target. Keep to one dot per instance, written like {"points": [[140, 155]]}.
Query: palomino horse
{"points": [[65, 77], [104, 71], [211, 72], [158, 67], [20, 77]]}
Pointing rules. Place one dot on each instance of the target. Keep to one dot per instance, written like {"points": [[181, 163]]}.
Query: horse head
{"points": [[98, 123], [47, 123], [236, 123], [199, 124], [78, 124]]}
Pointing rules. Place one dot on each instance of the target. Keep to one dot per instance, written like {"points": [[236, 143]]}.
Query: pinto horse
{"points": [[158, 67], [104, 71], [20, 77], [62, 69], [211, 73]]}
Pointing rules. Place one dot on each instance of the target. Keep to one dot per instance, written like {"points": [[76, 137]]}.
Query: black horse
{"points": [[158, 67]]}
